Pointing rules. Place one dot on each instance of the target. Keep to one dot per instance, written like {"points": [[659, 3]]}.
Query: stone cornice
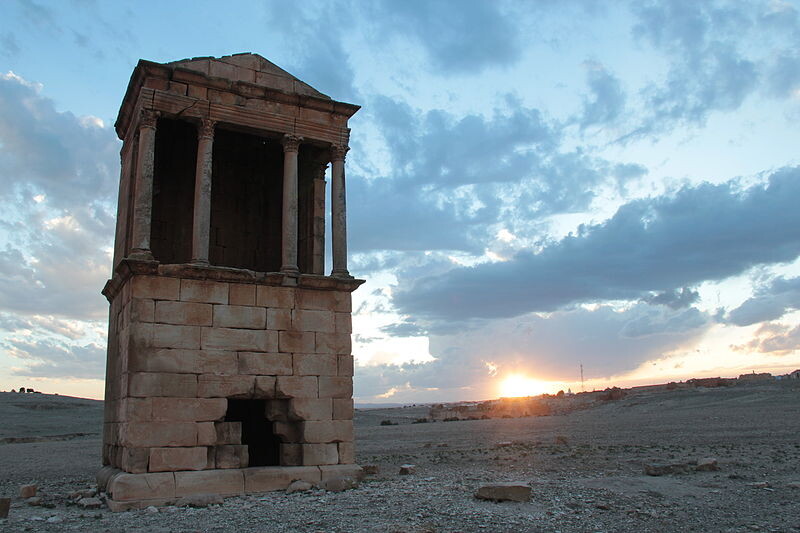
{"points": [[131, 267]]}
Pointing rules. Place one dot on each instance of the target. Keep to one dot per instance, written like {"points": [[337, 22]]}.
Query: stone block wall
{"points": [[180, 349]]}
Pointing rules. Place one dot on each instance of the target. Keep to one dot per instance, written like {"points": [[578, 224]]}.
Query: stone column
{"points": [[318, 223], [143, 201], [201, 224], [338, 212], [291, 146]]}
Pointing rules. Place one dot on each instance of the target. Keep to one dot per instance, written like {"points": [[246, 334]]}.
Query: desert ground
{"points": [[585, 469]]}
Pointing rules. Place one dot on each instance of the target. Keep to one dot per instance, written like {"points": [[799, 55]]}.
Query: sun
{"points": [[516, 385]]}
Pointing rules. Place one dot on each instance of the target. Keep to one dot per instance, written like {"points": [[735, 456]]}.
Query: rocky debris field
{"points": [[720, 459]]}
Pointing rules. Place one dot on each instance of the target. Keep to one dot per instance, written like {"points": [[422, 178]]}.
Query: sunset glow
{"points": [[516, 385]]}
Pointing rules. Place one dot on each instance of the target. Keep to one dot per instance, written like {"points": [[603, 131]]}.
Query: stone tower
{"points": [[229, 364]]}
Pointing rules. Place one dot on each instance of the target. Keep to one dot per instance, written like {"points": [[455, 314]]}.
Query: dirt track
{"points": [[594, 482]]}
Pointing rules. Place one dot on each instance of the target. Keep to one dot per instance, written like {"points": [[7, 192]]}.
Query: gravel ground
{"points": [[592, 482]]}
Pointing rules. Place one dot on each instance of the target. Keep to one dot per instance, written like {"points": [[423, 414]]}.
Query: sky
{"points": [[536, 189]]}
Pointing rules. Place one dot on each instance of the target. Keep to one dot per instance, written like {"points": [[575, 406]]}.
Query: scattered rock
{"points": [[442, 445], [27, 491], [652, 469], [603, 506], [200, 500], [55, 520], [5, 505], [793, 485], [759, 485], [706, 464], [85, 493], [498, 492], [36, 501], [561, 439], [90, 503], [152, 509], [339, 484], [406, 470], [504, 444], [298, 485], [371, 469]]}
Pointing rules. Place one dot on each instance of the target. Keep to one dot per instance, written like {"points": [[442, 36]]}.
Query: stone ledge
{"points": [[131, 267], [136, 491]]}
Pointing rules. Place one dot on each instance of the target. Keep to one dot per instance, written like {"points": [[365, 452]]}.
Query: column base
{"points": [[141, 254], [126, 491], [344, 274], [290, 269]]}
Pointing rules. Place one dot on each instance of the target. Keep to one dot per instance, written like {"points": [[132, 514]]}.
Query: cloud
{"points": [[784, 75], [770, 302], [716, 58], [702, 233], [605, 340], [59, 175], [463, 38], [315, 33], [451, 178], [56, 359], [72, 161], [607, 100], [8, 44], [773, 338]]}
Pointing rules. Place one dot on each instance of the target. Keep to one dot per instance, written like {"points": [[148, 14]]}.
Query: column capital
{"points": [[205, 130], [339, 151], [148, 118], [291, 143]]}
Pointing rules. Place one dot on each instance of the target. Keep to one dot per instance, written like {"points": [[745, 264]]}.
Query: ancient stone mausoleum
{"points": [[229, 358]]}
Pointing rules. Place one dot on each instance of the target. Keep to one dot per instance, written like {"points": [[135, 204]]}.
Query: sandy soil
{"points": [[594, 482]]}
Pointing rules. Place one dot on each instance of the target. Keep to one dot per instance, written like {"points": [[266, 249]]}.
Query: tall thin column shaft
{"points": [[143, 202], [291, 146], [338, 212], [201, 223]]}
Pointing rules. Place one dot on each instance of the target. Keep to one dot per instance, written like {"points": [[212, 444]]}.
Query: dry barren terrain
{"points": [[585, 469]]}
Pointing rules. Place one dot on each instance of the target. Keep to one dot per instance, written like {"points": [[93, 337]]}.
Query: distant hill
{"points": [[47, 417]]}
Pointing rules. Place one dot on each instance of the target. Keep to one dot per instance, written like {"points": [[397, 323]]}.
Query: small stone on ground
{"points": [[498, 492], [406, 470]]}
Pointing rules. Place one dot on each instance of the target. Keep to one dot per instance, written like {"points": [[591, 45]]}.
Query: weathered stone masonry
{"points": [[229, 358]]}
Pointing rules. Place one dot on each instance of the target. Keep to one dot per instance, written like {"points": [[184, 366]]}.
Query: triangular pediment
{"points": [[251, 68]]}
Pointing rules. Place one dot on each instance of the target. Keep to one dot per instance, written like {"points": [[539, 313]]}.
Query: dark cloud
{"points": [[676, 299], [769, 302], [703, 233], [463, 37]]}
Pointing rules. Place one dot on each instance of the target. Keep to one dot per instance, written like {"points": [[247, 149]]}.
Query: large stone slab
{"points": [[269, 478], [224, 482], [126, 486]]}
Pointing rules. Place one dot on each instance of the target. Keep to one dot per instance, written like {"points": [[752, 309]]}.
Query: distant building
{"points": [[794, 375], [763, 376]]}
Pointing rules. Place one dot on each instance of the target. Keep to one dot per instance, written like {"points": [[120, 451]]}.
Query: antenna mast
{"points": [[582, 387]]}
